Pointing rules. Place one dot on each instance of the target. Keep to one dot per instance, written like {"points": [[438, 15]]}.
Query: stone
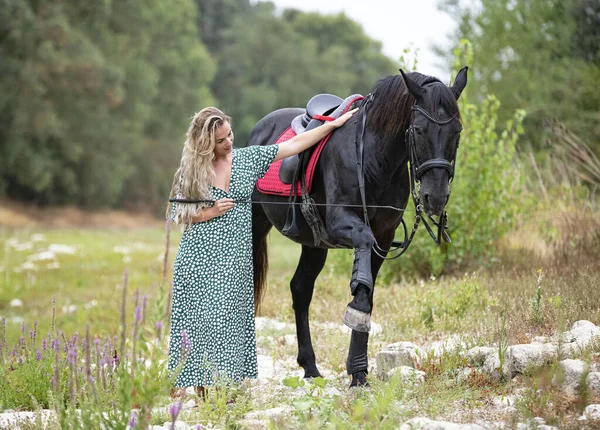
{"points": [[395, 355], [254, 424], [269, 414], [477, 355], [428, 424], [569, 375], [527, 357], [592, 412], [592, 383], [491, 366], [16, 303], [178, 425], [581, 335], [407, 374]]}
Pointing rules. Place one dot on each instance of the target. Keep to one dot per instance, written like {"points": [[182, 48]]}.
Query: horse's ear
{"points": [[460, 82], [415, 89]]}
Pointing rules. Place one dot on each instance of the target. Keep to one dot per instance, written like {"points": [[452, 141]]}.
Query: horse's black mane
{"points": [[391, 108]]}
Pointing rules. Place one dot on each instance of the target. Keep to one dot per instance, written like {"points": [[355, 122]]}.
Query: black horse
{"points": [[425, 107]]}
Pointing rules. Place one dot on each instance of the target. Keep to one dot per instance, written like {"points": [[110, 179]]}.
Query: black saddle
{"points": [[321, 104]]}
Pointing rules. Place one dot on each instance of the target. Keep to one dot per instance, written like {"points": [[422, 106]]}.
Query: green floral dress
{"points": [[212, 316]]}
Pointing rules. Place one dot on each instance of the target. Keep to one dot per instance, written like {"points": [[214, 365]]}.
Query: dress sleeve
{"points": [[262, 157]]}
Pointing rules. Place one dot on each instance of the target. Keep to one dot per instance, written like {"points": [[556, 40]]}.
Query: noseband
{"points": [[418, 170]]}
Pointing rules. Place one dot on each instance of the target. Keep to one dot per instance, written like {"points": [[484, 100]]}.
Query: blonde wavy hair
{"points": [[195, 174]]}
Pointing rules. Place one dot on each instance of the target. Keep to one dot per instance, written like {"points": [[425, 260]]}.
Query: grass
{"points": [[87, 286]]}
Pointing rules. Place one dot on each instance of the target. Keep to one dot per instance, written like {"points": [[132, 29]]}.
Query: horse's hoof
{"points": [[359, 380], [357, 320]]}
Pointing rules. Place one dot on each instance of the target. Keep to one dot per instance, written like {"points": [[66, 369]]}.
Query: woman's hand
{"points": [[307, 139], [342, 120], [222, 206]]}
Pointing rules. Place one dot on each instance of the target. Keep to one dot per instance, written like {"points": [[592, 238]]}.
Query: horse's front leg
{"points": [[346, 228], [357, 362], [302, 286]]}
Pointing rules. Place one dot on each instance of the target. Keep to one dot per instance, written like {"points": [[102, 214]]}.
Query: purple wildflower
{"points": [[38, 355], [72, 356], [32, 334], [44, 344], [174, 410], [138, 314], [133, 419], [23, 327]]}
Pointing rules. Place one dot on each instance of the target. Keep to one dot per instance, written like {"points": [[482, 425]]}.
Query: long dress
{"points": [[213, 287]]}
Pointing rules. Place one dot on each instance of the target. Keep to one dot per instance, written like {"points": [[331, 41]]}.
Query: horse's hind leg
{"points": [[302, 286]]}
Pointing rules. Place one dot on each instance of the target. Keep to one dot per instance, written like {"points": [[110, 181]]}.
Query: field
{"points": [[83, 270]]}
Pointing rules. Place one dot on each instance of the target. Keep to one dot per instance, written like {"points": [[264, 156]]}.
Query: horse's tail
{"points": [[261, 264]]}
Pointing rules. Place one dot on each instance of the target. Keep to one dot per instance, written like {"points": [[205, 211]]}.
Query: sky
{"points": [[398, 24]]}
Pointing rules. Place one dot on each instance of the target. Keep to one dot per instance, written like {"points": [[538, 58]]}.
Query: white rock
{"points": [[407, 374], [580, 336], [265, 367], [269, 414], [491, 366], [290, 339], [478, 354], [527, 357], [16, 303], [376, 329], [25, 246], [44, 255], [28, 265], [254, 424], [504, 401], [569, 375], [451, 344], [428, 424], [179, 425], [395, 355], [593, 382], [264, 323], [62, 249], [592, 412]]}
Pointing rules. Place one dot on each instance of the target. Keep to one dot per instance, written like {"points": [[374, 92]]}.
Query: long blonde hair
{"points": [[195, 174]]}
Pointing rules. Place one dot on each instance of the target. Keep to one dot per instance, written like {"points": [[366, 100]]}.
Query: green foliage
{"points": [[90, 91], [445, 308], [538, 55], [292, 58]]}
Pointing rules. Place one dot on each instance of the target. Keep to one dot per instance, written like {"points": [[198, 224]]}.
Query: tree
{"points": [[271, 62], [94, 91], [540, 55]]}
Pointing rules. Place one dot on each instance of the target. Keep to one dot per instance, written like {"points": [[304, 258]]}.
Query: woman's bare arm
{"points": [[305, 140]]}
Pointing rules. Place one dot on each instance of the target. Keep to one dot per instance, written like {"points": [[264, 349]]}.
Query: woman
{"points": [[212, 314]]}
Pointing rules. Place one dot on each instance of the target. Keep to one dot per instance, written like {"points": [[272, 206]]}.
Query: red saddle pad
{"points": [[271, 184]]}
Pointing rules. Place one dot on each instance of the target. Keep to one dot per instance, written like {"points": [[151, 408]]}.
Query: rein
{"points": [[416, 172], [255, 202]]}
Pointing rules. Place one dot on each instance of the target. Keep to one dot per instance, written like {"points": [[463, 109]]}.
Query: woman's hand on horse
{"points": [[342, 120], [222, 206]]}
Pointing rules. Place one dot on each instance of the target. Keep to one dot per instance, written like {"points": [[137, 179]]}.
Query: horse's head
{"points": [[433, 136]]}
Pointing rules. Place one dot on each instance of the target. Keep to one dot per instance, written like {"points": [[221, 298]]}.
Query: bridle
{"points": [[417, 170]]}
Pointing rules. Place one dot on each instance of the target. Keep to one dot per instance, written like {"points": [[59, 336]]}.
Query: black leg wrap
{"points": [[361, 272], [358, 362]]}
